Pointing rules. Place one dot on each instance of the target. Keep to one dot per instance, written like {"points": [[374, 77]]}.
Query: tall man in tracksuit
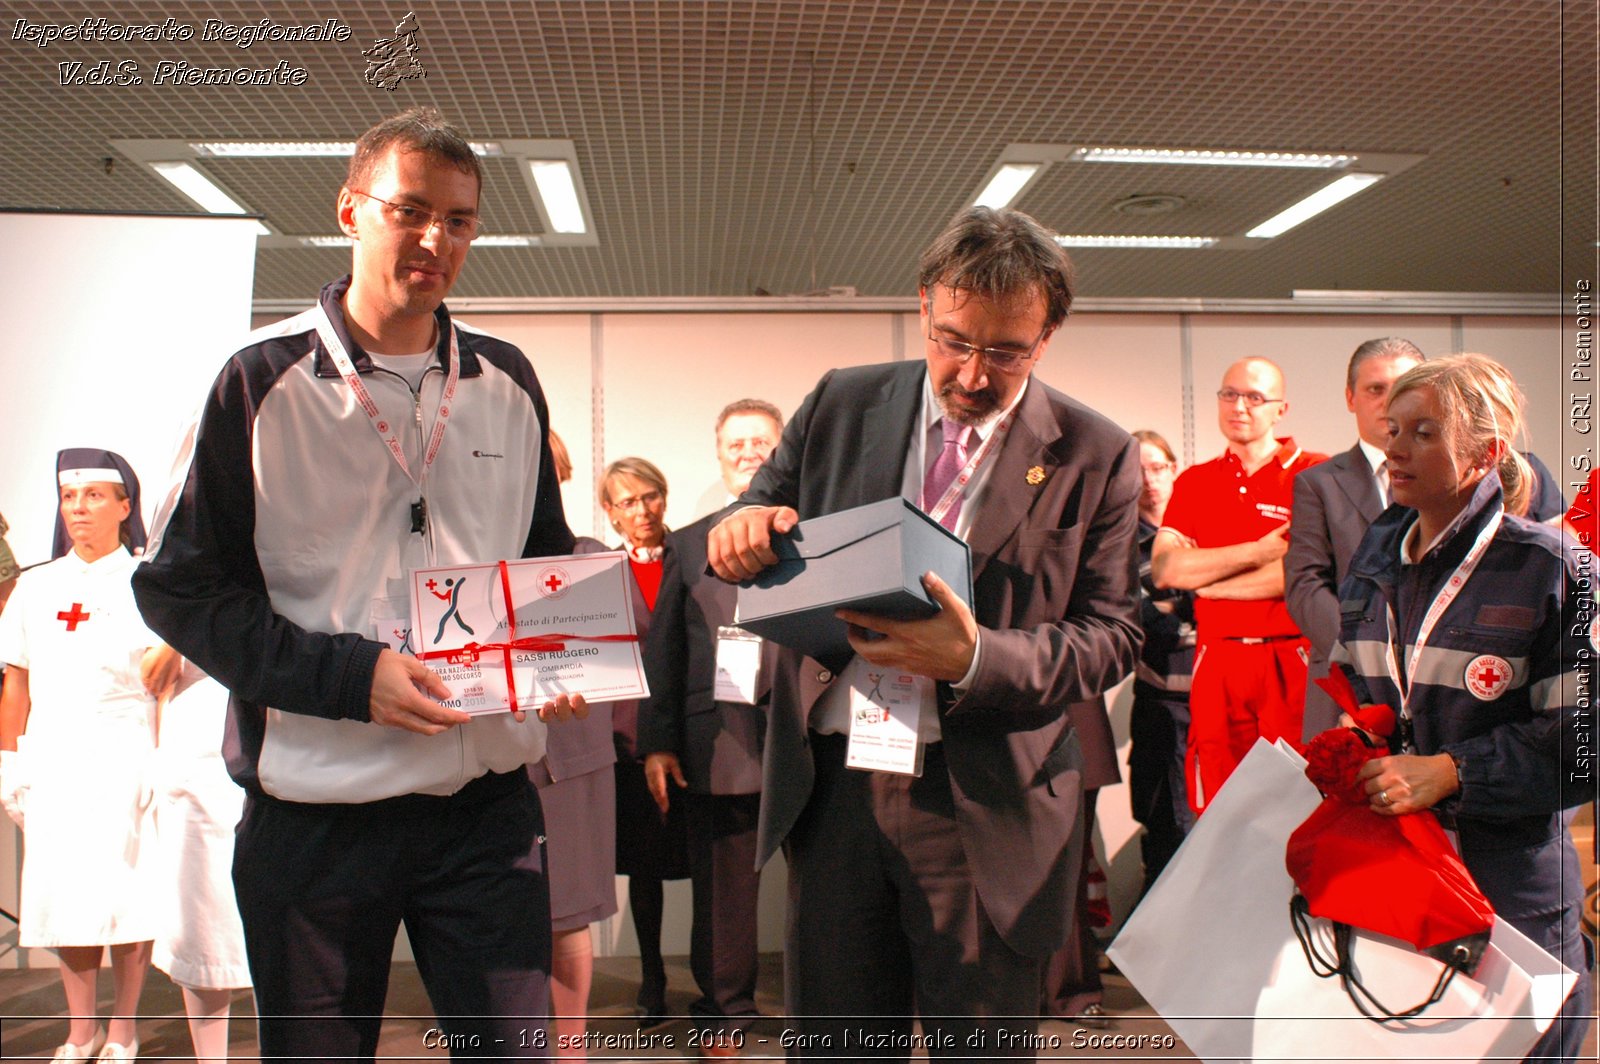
{"points": [[338, 449]]}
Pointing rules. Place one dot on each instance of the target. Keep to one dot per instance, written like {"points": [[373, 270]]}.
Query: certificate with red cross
{"points": [[515, 634]]}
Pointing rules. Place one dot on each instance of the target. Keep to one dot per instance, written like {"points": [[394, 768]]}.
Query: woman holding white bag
{"points": [[1457, 614]]}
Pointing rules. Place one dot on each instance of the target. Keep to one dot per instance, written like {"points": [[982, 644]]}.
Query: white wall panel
{"points": [[667, 376], [1127, 366], [1531, 348], [558, 347], [118, 326]]}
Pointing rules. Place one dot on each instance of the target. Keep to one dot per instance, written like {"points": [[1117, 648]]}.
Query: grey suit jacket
{"points": [[718, 744], [1055, 582], [1334, 502]]}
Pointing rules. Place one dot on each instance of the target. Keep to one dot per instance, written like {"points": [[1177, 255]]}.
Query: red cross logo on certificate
{"points": [[1487, 677], [73, 617], [553, 582]]}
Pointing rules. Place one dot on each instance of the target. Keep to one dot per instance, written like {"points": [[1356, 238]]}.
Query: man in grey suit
{"points": [[1334, 502], [701, 730], [942, 894]]}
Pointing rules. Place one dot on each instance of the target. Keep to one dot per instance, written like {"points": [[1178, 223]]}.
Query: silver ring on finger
{"points": [[1383, 798]]}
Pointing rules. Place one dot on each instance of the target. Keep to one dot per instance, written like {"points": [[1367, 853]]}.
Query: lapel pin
{"points": [[1035, 476]]}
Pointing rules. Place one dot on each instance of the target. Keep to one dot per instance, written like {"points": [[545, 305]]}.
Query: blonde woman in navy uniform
{"points": [[1456, 612]]}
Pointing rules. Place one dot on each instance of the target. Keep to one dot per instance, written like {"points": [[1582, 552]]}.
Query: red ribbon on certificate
{"points": [[469, 653]]}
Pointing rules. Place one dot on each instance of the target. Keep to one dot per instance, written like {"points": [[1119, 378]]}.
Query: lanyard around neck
{"points": [[1441, 602], [387, 433], [988, 445]]}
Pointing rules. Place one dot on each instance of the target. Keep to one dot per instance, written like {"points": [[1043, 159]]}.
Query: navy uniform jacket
{"points": [[1496, 687]]}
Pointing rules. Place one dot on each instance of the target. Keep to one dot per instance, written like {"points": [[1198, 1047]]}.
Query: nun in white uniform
{"points": [[77, 732]]}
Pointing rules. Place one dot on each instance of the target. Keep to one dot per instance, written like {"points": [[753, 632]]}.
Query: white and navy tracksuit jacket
{"points": [[287, 537]]}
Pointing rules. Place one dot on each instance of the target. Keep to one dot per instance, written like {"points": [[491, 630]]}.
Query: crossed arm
{"points": [[1249, 570]]}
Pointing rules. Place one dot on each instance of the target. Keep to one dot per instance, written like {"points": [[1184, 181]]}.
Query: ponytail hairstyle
{"points": [[1481, 404]]}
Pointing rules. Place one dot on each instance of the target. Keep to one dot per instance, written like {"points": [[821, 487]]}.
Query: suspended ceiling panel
{"points": [[783, 146]]}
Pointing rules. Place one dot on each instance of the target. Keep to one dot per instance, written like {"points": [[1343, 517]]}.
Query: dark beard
{"points": [[987, 402]]}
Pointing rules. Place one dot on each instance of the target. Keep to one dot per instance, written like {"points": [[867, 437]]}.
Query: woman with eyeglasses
{"points": [[1159, 726], [651, 847], [1475, 625]]}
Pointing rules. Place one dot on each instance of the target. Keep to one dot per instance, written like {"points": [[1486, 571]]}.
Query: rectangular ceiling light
{"points": [[198, 188], [553, 178], [1136, 241], [1211, 157], [1006, 184], [491, 240], [296, 149], [275, 149], [1314, 204]]}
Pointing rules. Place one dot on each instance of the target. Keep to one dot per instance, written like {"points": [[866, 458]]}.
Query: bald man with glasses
{"points": [[1223, 537]]}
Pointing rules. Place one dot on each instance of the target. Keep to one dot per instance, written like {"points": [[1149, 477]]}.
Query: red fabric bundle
{"points": [[1395, 875]]}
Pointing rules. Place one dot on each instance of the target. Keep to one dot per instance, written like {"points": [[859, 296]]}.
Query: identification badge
{"points": [[391, 626], [738, 666], [885, 711], [517, 633]]}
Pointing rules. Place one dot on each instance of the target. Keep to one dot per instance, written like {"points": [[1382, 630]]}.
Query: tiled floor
{"points": [[30, 1011], [31, 1007]]}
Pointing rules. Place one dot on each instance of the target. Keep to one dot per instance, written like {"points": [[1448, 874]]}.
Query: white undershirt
{"points": [[1375, 459], [411, 367]]}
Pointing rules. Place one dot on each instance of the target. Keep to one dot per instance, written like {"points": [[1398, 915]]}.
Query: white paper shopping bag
{"points": [[1212, 949]]}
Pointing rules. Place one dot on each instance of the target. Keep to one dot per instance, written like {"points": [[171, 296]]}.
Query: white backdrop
{"points": [[116, 327]]}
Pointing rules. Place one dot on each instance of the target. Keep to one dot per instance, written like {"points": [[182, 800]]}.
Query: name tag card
{"points": [[516, 634], [738, 666], [885, 709]]}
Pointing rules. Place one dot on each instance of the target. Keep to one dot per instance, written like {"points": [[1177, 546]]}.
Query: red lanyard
{"points": [[385, 430], [989, 444]]}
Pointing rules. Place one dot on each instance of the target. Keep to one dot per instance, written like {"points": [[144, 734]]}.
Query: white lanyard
{"points": [[386, 432], [1441, 602], [975, 459]]}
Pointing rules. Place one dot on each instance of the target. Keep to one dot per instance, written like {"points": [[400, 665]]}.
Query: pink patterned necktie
{"points": [[945, 469]]}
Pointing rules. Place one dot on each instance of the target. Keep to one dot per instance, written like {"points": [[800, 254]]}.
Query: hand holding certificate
{"points": [[515, 634]]}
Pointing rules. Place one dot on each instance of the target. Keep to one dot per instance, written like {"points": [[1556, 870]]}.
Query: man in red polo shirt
{"points": [[1223, 537]]}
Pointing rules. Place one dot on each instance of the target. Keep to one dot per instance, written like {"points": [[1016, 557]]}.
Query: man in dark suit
{"points": [[1334, 502], [942, 894], [702, 729]]}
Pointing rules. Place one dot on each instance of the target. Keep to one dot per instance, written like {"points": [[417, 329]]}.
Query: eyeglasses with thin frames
{"points": [[648, 501], [1001, 359], [1229, 396], [458, 227]]}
